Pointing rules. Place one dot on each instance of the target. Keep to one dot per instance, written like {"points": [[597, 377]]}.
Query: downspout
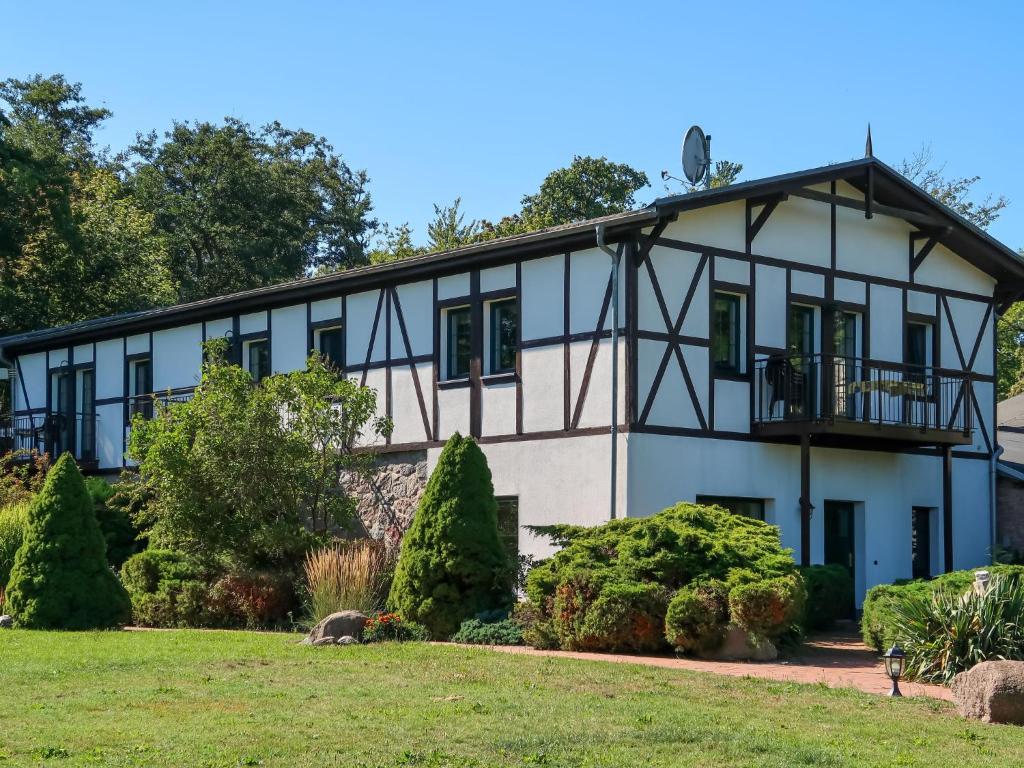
{"points": [[992, 471], [615, 255]]}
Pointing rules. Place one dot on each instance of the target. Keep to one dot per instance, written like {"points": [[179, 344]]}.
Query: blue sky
{"points": [[438, 100]]}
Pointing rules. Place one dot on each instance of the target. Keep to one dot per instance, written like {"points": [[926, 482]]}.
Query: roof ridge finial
{"points": [[868, 150]]}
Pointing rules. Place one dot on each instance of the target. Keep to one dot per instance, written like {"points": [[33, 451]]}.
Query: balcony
{"points": [[851, 401], [146, 404], [53, 433]]}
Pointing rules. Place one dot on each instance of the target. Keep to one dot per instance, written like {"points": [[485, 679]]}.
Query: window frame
{"points": [[449, 368], [318, 334], [247, 346], [710, 499], [736, 340], [145, 407], [494, 346]]}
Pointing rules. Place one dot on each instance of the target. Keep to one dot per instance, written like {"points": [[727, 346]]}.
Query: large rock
{"points": [[739, 646], [992, 692], [6, 622], [338, 625]]}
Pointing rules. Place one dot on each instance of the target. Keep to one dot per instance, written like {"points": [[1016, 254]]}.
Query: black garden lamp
{"points": [[894, 660]]}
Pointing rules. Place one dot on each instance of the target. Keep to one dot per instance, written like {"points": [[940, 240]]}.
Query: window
{"points": [[257, 357], [725, 333], [508, 525], [504, 332], [459, 324], [919, 344], [921, 543], [329, 344], [86, 418], [140, 385], [737, 505]]}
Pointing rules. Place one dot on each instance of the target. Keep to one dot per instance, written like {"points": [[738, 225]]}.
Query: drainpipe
{"points": [[992, 470], [615, 254]]}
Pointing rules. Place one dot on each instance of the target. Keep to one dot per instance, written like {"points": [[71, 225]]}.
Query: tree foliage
{"points": [[242, 207], [452, 565], [248, 476], [60, 578], [588, 188], [953, 192]]}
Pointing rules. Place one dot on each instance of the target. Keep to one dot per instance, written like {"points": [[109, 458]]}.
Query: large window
{"points": [[725, 333], [508, 525], [140, 385], [459, 344], [738, 505], [329, 344], [504, 331], [257, 359]]}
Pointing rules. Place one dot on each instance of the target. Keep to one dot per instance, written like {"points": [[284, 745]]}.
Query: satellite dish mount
{"points": [[696, 155]]}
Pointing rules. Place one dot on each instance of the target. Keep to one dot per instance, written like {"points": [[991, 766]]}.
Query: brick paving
{"points": [[838, 659]]}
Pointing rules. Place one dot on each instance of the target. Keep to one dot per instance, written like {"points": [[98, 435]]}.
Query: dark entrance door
{"points": [[921, 542], [839, 541]]}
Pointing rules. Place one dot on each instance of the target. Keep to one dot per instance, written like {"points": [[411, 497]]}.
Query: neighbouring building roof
{"points": [[892, 193], [1010, 436]]}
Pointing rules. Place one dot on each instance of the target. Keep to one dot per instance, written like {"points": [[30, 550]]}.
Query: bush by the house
{"points": [[611, 587], [829, 595], [383, 627], [491, 628], [60, 578], [348, 575], [119, 532], [537, 626], [21, 475], [878, 622], [166, 590], [946, 633], [452, 563], [13, 520], [251, 599]]}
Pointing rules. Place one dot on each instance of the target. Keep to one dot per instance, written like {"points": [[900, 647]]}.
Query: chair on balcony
{"points": [[788, 385]]}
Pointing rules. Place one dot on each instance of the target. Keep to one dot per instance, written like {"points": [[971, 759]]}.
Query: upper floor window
{"points": [[459, 345], [256, 354], [919, 344], [140, 385], [503, 336], [329, 345], [726, 332], [738, 505]]}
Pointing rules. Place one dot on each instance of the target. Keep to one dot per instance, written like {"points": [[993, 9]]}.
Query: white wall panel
{"points": [[453, 286], [732, 406], [721, 226], [807, 283], [543, 286], [853, 291], [967, 318], [254, 322], [325, 309], [877, 246], [417, 301], [675, 270], [109, 369], [497, 278], [886, 323], [289, 340], [498, 409], [770, 307], [588, 283], [453, 411], [597, 410], [218, 329], [376, 379], [138, 344], [798, 230], [361, 309], [542, 388], [732, 270], [406, 413], [944, 269], [33, 381], [109, 435], [177, 357], [83, 354], [921, 303]]}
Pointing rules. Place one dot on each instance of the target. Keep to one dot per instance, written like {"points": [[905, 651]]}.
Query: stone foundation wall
{"points": [[387, 499]]}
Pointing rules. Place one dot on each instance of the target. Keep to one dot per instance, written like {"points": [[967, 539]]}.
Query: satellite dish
{"points": [[696, 154]]}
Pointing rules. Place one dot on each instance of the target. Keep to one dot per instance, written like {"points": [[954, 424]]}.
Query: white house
{"points": [[816, 349]]}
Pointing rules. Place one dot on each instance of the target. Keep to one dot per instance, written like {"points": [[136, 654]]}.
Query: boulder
{"points": [[992, 692], [347, 640], [738, 645], [6, 622], [337, 625], [322, 641]]}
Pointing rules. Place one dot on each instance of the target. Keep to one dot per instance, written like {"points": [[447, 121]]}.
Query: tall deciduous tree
{"points": [[953, 191], [242, 207], [588, 188]]}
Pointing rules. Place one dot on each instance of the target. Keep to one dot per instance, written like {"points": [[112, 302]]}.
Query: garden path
{"points": [[838, 659]]}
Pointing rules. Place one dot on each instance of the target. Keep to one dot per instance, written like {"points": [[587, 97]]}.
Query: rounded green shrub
{"points": [[697, 617], [829, 595], [61, 579], [538, 628], [478, 631], [452, 564], [13, 521], [166, 590], [767, 608]]}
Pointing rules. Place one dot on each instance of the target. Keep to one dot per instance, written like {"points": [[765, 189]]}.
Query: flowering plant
{"points": [[391, 626]]}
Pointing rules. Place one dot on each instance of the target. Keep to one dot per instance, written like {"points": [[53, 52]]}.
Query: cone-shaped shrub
{"points": [[60, 578], [452, 565]]}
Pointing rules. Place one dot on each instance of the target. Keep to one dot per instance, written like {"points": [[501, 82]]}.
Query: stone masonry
{"points": [[387, 499]]}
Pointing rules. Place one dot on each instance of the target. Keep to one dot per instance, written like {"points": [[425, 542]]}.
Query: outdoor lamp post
{"points": [[894, 660]]}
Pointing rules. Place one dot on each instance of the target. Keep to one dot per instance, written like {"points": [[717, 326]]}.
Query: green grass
{"points": [[237, 698]]}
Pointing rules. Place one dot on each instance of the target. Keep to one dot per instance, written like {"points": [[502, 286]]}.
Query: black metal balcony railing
{"points": [[146, 404], [53, 433], [840, 394]]}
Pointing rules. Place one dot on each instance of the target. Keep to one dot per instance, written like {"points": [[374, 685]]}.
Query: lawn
{"points": [[237, 698]]}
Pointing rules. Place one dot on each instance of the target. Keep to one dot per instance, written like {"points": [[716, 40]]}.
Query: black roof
{"points": [[890, 189]]}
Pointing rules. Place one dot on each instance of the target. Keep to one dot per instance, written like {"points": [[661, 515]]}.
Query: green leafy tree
{"points": [[242, 207], [394, 245], [452, 565], [448, 230], [953, 191], [588, 188], [60, 578], [248, 476], [1010, 352]]}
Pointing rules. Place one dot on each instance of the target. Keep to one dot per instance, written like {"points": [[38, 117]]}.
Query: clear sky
{"points": [[482, 100]]}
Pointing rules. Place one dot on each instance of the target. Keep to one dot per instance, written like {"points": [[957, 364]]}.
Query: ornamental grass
{"points": [[349, 575]]}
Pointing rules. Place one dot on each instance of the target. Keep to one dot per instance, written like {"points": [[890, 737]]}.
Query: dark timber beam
{"points": [[947, 508], [915, 217], [805, 499], [921, 255], [762, 218], [869, 194]]}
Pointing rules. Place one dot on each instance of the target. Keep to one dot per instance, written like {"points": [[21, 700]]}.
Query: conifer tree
{"points": [[60, 578], [453, 565]]}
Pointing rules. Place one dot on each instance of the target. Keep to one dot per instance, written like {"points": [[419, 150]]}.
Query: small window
{"points": [[459, 323], [508, 525], [738, 505], [329, 344], [725, 333], [257, 357], [141, 385], [918, 344], [504, 332]]}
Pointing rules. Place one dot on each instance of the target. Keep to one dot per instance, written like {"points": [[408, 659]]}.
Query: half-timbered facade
{"points": [[815, 349]]}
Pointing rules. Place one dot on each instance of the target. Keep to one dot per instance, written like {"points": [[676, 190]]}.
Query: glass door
{"points": [[85, 419], [839, 541], [845, 363], [802, 369], [61, 421]]}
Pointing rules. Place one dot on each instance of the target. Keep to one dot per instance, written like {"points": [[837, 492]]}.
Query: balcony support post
{"points": [[805, 499], [947, 508]]}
